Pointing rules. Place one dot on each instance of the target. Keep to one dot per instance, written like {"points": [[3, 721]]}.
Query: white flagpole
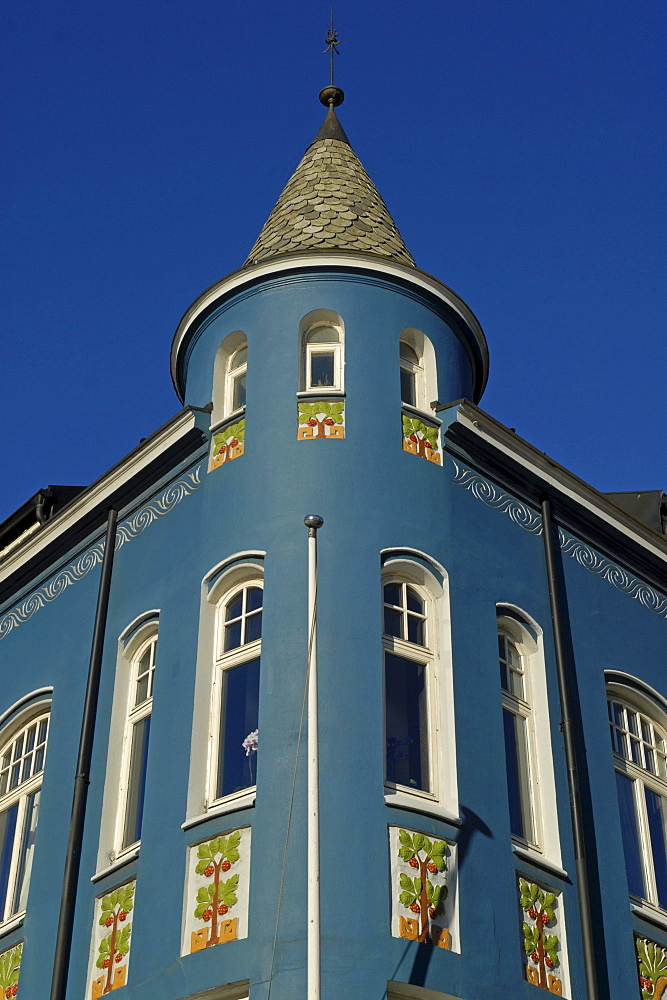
{"points": [[313, 522]]}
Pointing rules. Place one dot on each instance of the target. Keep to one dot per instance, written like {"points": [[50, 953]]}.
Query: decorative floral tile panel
{"points": [[422, 440], [320, 418], [424, 904], [227, 444], [543, 936], [652, 968], [215, 908], [10, 970], [111, 941]]}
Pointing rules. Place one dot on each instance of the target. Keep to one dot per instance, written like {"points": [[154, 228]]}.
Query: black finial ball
{"points": [[331, 97]]}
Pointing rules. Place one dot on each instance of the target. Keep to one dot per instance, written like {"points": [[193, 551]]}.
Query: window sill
{"points": [[235, 415], [537, 859], [645, 911], [419, 804], [12, 924], [120, 862], [318, 393], [244, 801], [424, 414]]}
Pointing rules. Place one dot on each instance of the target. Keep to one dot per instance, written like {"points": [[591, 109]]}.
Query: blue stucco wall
{"points": [[373, 496]]}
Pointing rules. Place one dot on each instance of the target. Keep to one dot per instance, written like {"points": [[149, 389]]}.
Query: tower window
{"points": [[323, 358], [236, 378], [411, 373]]}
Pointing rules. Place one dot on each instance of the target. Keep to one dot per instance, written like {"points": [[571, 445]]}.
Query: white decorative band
{"points": [[127, 530], [587, 557]]}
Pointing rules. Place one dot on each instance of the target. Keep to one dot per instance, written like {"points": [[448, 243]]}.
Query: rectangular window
{"points": [[406, 722], [633, 864], [322, 369], [408, 394], [656, 810], [238, 719], [136, 782], [518, 776]]}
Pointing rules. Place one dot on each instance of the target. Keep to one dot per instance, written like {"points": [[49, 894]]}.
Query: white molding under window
{"points": [[239, 990], [404, 991]]}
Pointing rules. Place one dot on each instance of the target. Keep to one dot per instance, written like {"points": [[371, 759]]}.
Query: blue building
{"points": [[485, 621]]}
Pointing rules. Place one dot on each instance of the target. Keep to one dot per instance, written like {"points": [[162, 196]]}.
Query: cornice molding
{"points": [[116, 479], [528, 519], [127, 530]]}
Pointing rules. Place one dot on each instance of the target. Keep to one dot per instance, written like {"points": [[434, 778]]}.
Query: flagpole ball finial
{"points": [[331, 97]]}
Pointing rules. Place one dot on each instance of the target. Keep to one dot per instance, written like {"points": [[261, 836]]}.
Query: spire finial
{"points": [[332, 41], [332, 96]]}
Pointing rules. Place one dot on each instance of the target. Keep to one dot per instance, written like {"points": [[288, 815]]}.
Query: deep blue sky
{"points": [[519, 146]]}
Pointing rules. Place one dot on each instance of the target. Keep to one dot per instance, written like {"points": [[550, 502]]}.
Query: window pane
{"points": [[406, 722], [239, 717], [626, 805], [254, 598], [234, 608], [136, 782], [253, 627], [240, 358], [7, 833], [321, 369], [26, 853], [324, 335], [142, 690], [656, 808], [392, 622], [415, 602], [392, 594], [408, 353], [238, 393], [232, 636], [518, 776], [408, 394], [416, 630]]}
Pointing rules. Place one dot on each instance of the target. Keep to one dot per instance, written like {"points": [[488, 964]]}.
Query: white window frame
{"points": [[534, 708], [425, 371], [19, 796], [234, 372], [222, 662], [222, 394], [648, 710], [430, 581], [521, 707], [134, 715], [314, 320]]}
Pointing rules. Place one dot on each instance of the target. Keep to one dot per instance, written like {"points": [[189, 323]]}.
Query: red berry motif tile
{"points": [[216, 891], [424, 905], [421, 439], [111, 941], [10, 969], [321, 419], [543, 935], [227, 444], [652, 968]]}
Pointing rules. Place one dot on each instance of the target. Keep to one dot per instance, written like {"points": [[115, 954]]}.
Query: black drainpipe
{"points": [[82, 777], [567, 696]]}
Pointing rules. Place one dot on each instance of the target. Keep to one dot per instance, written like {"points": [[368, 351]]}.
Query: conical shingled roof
{"points": [[330, 203]]}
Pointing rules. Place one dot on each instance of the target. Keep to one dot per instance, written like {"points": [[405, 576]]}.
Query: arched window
{"points": [[638, 727], [235, 700], [229, 378], [518, 730], [322, 368], [137, 732], [21, 765], [419, 378]]}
